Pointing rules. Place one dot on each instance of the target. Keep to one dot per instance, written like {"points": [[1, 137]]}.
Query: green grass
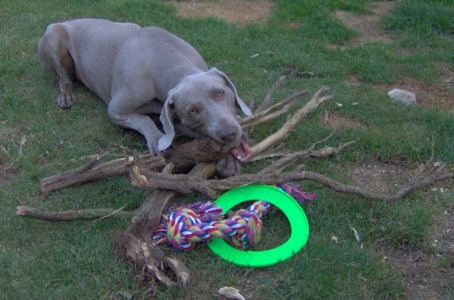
{"points": [[421, 24], [43, 260]]}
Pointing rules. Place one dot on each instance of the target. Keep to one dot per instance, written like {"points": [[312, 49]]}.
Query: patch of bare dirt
{"points": [[380, 177], [427, 275], [386, 178], [7, 174], [337, 122], [352, 80], [367, 25], [433, 95], [234, 11]]}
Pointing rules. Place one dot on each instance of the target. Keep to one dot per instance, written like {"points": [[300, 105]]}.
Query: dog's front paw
{"points": [[228, 166], [152, 144], [66, 100]]}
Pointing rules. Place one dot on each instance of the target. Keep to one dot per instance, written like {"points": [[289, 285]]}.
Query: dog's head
{"points": [[204, 103]]}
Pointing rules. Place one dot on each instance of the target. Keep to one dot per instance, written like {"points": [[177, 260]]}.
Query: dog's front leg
{"points": [[142, 124]]}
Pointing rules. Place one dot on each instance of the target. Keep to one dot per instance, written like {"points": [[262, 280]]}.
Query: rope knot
{"points": [[184, 227], [178, 223], [250, 219], [251, 229]]}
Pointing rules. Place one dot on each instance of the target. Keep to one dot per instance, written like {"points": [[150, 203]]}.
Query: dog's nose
{"points": [[228, 133]]}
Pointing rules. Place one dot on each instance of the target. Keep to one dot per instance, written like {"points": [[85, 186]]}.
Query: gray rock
{"points": [[403, 96]]}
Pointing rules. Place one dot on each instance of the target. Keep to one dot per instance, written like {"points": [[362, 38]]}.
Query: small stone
{"points": [[231, 293], [403, 96]]}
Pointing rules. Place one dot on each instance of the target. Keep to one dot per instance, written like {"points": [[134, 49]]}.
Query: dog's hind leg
{"points": [[55, 57]]}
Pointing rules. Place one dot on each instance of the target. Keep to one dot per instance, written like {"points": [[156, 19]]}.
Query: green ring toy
{"points": [[290, 207]]}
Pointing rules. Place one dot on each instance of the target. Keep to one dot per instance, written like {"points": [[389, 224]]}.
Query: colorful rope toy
{"points": [[185, 226]]}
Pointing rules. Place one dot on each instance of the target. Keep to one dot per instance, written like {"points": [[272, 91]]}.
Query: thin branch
{"points": [[299, 153], [69, 215], [316, 100], [95, 170], [269, 95], [211, 188], [261, 114], [270, 116], [109, 215], [291, 157]]}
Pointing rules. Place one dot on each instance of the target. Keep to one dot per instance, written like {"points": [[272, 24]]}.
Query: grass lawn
{"points": [[360, 49]]}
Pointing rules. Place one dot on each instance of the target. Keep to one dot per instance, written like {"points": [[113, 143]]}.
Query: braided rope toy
{"points": [[187, 225]]}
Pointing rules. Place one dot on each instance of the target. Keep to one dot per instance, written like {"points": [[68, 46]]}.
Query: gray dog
{"points": [[141, 71]]}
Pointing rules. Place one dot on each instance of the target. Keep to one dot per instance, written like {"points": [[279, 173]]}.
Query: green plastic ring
{"points": [[290, 207]]}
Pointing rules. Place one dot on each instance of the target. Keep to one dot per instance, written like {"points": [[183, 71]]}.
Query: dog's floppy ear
{"points": [[166, 119], [246, 110]]}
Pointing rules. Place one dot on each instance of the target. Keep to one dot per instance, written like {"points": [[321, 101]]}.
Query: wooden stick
{"points": [[212, 188], [135, 242], [270, 116], [316, 100], [183, 157], [291, 157], [68, 215], [270, 93], [245, 122], [301, 153], [94, 170]]}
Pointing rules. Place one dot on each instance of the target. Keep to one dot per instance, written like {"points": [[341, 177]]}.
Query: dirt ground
{"points": [[235, 11], [367, 25], [427, 274]]}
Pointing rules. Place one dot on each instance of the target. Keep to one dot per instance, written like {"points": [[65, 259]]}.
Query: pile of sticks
{"points": [[163, 175]]}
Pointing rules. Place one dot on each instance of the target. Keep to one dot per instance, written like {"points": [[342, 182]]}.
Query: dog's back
{"points": [[104, 51]]}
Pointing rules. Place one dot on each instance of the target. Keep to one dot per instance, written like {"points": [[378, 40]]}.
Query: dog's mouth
{"points": [[242, 152]]}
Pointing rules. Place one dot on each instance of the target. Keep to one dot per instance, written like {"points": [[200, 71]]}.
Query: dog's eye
{"points": [[218, 94], [193, 111]]}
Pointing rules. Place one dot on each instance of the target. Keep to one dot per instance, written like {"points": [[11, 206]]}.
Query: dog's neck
{"points": [[179, 73]]}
